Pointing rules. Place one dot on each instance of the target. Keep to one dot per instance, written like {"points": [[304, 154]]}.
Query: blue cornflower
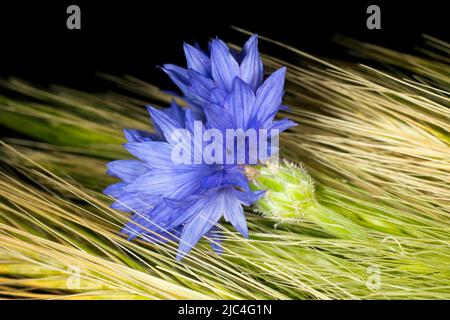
{"points": [[186, 200]]}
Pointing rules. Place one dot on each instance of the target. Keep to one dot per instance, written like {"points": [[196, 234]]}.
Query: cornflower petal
{"points": [[164, 122], [179, 76], [224, 66], [139, 135], [208, 212], [252, 67], [240, 104], [281, 125], [135, 202], [235, 215], [197, 60], [217, 117], [201, 85], [269, 95], [127, 170], [156, 154]]}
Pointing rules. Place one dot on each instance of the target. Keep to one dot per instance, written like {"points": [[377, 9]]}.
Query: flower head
{"points": [[185, 200]]}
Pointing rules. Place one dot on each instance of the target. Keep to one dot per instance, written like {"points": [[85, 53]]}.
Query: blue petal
{"points": [[240, 103], [236, 178], [164, 217], [284, 107], [166, 124], [175, 112], [197, 60], [252, 66], [139, 223], [235, 214], [281, 125], [218, 96], [115, 190], [269, 95], [196, 136], [215, 237], [168, 183], [187, 210], [208, 215], [176, 204], [212, 181], [217, 117], [179, 76], [161, 237], [248, 198], [136, 202], [246, 47], [224, 67], [201, 85], [139, 135], [127, 170], [160, 219], [156, 154]]}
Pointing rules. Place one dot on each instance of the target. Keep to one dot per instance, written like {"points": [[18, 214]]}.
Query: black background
{"points": [[169, 309], [133, 37]]}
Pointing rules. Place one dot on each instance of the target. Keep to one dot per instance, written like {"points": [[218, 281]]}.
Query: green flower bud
{"points": [[290, 197]]}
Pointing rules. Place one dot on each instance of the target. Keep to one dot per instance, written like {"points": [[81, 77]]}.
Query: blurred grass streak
{"points": [[374, 139]]}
